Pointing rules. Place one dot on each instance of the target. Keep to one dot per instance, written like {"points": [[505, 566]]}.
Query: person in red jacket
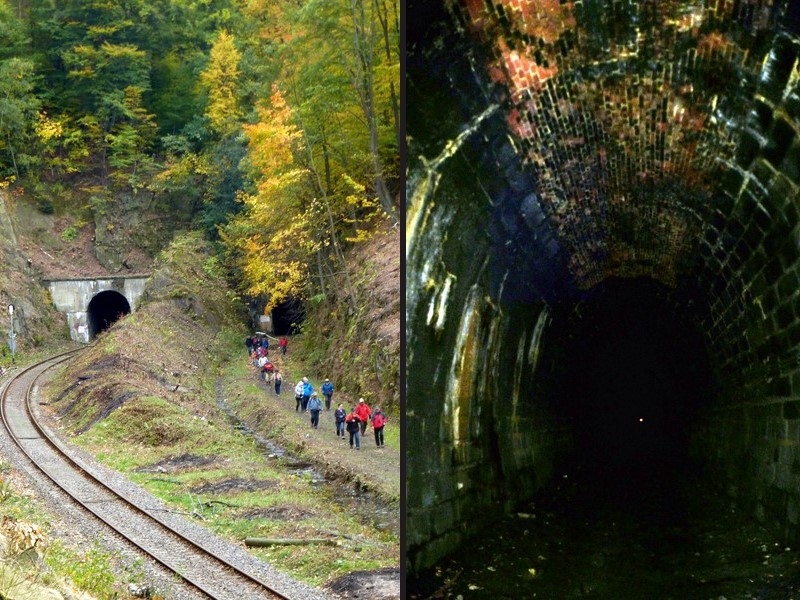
{"points": [[378, 421], [363, 413], [351, 424]]}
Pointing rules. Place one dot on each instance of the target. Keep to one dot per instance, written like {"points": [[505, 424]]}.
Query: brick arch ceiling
{"points": [[660, 139]]}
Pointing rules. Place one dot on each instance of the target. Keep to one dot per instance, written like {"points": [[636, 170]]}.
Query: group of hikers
{"points": [[355, 422]]}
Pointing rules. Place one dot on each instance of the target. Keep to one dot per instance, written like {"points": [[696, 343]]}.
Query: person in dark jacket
{"points": [[352, 424], [278, 382], [339, 414], [314, 406]]}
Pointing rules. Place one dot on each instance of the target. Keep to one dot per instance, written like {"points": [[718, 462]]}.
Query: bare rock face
{"points": [[129, 225], [20, 286]]}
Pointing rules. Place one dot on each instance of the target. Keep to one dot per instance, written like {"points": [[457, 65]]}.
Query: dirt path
{"points": [[371, 468], [373, 472]]}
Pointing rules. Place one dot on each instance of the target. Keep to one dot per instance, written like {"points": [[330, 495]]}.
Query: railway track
{"points": [[199, 567]]}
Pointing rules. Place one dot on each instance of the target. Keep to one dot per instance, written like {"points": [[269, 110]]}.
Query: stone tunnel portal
{"points": [[104, 310], [602, 226]]}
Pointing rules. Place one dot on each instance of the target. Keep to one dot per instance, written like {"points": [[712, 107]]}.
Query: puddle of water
{"points": [[671, 538]]}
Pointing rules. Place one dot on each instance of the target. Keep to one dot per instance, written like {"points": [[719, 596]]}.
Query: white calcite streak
{"points": [[470, 323]]}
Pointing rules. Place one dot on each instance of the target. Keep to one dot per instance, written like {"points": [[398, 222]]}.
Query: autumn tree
{"points": [[272, 239], [221, 80], [347, 37]]}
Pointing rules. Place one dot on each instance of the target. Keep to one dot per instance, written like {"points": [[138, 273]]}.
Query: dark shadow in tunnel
{"points": [[634, 379], [287, 317], [104, 310]]}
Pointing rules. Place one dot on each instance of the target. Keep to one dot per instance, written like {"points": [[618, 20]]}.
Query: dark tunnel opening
{"points": [[603, 329], [632, 377], [287, 317], [104, 310]]}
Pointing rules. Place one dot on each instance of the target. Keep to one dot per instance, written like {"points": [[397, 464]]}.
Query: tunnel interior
{"points": [[105, 309], [603, 226]]}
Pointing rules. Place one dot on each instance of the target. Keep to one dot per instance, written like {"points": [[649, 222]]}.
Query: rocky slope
{"points": [[36, 321]]}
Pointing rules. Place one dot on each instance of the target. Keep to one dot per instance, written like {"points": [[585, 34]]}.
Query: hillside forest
{"points": [[272, 126]]}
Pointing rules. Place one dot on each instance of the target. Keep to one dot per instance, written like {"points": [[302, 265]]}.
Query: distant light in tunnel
{"points": [[641, 420]]}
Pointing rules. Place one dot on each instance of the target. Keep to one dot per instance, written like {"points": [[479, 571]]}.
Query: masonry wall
{"points": [[543, 161]]}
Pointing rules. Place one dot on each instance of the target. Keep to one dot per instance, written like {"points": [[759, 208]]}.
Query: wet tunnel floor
{"points": [[656, 535]]}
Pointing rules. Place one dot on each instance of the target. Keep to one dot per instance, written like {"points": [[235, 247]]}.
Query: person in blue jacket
{"points": [[327, 391], [308, 389], [314, 406]]}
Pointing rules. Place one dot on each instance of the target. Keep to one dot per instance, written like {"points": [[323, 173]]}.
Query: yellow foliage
{"points": [[221, 78], [48, 129], [272, 237]]}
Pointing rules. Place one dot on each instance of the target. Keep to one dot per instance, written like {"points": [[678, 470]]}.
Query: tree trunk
{"points": [[363, 81], [383, 17], [257, 541]]}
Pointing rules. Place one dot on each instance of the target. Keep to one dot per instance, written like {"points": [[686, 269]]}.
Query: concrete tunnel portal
{"points": [[603, 261], [93, 304]]}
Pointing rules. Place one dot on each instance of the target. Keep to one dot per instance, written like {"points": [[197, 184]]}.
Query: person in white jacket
{"points": [[298, 394]]}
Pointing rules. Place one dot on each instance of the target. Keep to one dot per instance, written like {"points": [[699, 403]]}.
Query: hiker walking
{"points": [[269, 369], [298, 394], [327, 391], [352, 425], [278, 381], [308, 389], [248, 341], [363, 413], [314, 406], [378, 422], [339, 414], [262, 360], [283, 344]]}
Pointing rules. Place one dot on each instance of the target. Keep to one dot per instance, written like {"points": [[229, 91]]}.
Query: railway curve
{"points": [[209, 566]]}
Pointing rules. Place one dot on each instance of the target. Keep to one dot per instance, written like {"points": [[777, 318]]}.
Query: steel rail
{"points": [[56, 360]]}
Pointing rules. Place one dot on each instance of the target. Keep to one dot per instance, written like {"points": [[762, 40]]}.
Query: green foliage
{"points": [[13, 37], [70, 233], [45, 206], [90, 571], [18, 110]]}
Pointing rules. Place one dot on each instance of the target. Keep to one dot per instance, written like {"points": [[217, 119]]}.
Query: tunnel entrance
{"points": [[104, 310], [287, 317]]}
